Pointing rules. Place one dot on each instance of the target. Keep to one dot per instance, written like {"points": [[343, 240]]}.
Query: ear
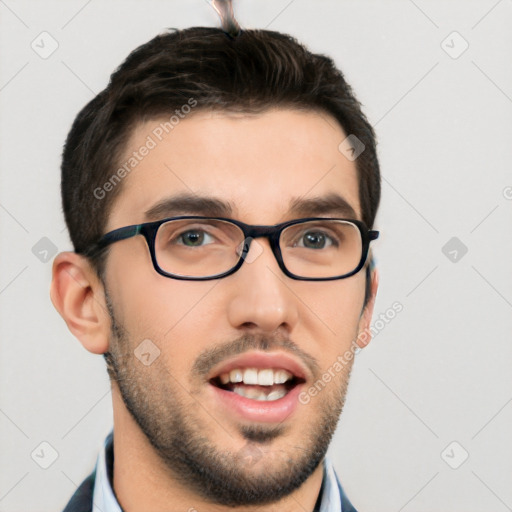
{"points": [[364, 334], [78, 295]]}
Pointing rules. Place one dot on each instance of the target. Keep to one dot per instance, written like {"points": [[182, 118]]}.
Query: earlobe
{"points": [[78, 295], [364, 334]]}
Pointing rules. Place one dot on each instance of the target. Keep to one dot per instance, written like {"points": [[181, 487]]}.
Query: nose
{"points": [[261, 297]]}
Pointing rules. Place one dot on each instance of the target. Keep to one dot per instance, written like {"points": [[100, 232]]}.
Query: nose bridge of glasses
{"points": [[270, 236]]}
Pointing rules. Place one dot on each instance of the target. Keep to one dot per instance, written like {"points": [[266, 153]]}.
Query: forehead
{"points": [[258, 165]]}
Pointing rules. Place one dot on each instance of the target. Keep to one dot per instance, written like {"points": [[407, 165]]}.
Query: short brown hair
{"points": [[251, 72]]}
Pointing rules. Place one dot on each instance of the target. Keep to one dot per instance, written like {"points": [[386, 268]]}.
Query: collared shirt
{"points": [[104, 499]]}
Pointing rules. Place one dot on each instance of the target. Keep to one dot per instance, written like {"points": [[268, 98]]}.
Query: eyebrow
{"points": [[189, 204], [183, 204], [332, 204]]}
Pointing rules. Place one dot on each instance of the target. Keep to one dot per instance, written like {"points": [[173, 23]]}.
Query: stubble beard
{"points": [[266, 470]]}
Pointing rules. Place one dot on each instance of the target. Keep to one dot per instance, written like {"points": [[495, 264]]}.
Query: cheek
{"points": [[173, 314], [333, 308], [148, 303], [330, 314]]}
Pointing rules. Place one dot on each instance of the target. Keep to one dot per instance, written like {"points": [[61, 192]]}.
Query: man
{"points": [[221, 224]]}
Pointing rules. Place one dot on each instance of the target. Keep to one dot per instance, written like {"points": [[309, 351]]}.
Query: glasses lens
{"points": [[321, 248], [198, 247]]}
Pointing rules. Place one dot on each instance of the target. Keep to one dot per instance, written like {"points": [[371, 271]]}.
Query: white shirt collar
{"points": [[104, 499]]}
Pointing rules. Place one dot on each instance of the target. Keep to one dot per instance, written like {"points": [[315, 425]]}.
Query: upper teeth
{"points": [[266, 377]]}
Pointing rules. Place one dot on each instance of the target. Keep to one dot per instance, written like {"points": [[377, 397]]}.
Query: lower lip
{"points": [[275, 411]]}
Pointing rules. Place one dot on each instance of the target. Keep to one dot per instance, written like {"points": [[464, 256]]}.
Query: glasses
{"points": [[201, 248]]}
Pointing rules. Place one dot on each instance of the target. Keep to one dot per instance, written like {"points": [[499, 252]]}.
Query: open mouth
{"points": [[261, 384]]}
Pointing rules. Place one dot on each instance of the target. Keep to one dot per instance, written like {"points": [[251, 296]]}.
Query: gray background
{"points": [[438, 373]]}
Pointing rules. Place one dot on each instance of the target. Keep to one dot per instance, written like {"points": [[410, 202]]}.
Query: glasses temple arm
{"points": [[113, 236]]}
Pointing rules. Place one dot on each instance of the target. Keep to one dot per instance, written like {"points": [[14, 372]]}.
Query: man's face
{"points": [[234, 450]]}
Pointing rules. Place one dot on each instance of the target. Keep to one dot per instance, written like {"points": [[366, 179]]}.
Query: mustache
{"points": [[215, 355], [211, 356]]}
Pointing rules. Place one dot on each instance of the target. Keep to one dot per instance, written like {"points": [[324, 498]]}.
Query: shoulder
{"points": [[81, 501]]}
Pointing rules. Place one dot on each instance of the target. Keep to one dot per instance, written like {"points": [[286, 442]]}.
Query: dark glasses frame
{"points": [[272, 233]]}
